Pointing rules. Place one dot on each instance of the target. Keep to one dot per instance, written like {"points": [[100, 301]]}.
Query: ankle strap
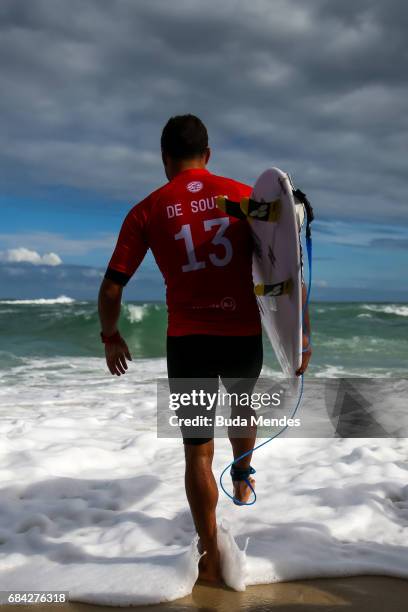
{"points": [[241, 473]]}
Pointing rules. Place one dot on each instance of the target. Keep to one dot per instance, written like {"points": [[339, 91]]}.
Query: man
{"points": [[214, 326]]}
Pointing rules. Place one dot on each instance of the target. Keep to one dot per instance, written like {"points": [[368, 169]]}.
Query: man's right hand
{"points": [[116, 354], [306, 355]]}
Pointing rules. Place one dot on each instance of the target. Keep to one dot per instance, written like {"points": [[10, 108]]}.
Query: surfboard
{"points": [[276, 220]]}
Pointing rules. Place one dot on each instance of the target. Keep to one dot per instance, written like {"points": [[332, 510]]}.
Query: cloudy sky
{"points": [[317, 88]]}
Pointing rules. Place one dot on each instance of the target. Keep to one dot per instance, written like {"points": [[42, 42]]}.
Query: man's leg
{"points": [[240, 372], [202, 495], [241, 490], [242, 445], [189, 359]]}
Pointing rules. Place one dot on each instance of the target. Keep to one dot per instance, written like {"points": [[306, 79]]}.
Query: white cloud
{"points": [[51, 259], [27, 256]]}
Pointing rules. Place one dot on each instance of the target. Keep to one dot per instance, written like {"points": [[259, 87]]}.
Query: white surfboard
{"points": [[277, 270], [276, 262]]}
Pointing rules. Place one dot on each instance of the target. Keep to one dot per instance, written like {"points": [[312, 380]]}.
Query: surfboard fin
{"points": [[250, 209], [274, 290]]}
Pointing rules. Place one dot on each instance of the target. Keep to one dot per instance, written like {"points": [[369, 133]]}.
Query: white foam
{"points": [[94, 503], [136, 313], [331, 371], [62, 299], [336, 371], [233, 560], [395, 309]]}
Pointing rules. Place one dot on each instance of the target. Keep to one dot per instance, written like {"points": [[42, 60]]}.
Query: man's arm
{"points": [[306, 355], [129, 252], [109, 302]]}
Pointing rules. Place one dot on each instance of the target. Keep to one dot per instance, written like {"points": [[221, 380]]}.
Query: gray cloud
{"points": [[317, 88], [63, 244], [390, 243], [352, 234]]}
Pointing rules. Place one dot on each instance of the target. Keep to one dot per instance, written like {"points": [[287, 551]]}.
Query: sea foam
{"points": [[392, 309], [62, 299], [94, 503]]}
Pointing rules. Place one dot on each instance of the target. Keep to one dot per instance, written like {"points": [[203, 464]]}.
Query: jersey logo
{"points": [[228, 303], [195, 186]]}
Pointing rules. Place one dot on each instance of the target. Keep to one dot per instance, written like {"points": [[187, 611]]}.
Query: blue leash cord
{"points": [[309, 284], [251, 503]]}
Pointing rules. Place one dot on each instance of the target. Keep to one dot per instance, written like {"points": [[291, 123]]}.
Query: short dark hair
{"points": [[184, 137]]}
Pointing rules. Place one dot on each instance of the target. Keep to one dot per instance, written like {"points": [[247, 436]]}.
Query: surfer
{"points": [[214, 327]]}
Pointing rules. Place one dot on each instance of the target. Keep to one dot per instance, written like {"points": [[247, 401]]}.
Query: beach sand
{"points": [[363, 593]]}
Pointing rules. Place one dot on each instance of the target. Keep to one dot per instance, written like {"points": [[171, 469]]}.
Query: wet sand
{"points": [[363, 593]]}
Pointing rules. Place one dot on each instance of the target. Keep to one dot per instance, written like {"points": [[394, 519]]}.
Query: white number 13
{"points": [[219, 239]]}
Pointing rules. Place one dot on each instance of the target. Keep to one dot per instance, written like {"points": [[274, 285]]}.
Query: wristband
{"points": [[111, 339]]}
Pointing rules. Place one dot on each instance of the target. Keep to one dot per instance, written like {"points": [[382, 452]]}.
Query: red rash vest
{"points": [[205, 256]]}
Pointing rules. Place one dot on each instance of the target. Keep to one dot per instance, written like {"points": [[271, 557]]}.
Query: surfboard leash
{"points": [[309, 218], [231, 465]]}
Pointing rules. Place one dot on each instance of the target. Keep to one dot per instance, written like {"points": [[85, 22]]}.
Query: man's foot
{"points": [[209, 567], [241, 490]]}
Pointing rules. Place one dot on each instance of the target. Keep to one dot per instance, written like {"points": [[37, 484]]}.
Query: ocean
{"points": [[349, 339], [93, 502]]}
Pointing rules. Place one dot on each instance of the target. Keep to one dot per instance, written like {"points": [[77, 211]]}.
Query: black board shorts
{"points": [[237, 360]]}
